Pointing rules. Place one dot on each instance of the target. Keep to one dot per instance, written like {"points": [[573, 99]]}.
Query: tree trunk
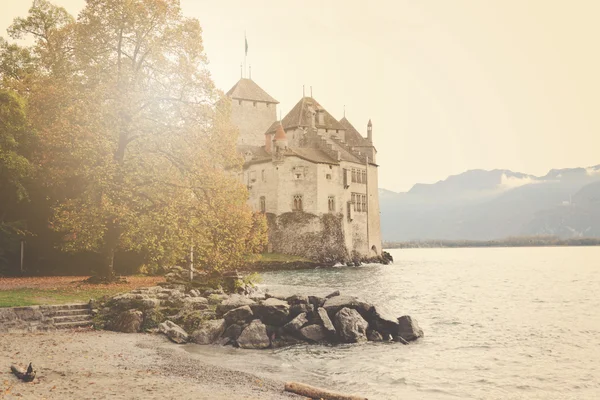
{"points": [[111, 240]]}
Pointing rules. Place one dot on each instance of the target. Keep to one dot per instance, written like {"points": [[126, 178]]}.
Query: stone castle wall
{"points": [[253, 118]]}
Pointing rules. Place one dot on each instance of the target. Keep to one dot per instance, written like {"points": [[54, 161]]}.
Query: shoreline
{"points": [[81, 364]]}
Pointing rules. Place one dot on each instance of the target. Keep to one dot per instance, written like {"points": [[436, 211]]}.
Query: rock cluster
{"points": [[253, 322]]}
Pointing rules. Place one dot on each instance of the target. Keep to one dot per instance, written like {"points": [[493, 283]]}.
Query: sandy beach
{"points": [[91, 364]]}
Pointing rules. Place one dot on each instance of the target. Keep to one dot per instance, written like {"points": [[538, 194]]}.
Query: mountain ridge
{"points": [[493, 204]]}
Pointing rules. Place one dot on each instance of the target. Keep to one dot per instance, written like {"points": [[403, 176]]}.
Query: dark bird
{"points": [[25, 376]]}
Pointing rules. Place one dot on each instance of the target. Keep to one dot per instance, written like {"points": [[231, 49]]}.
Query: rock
{"points": [[297, 323], [351, 327], [195, 293], [408, 329], [382, 322], [195, 303], [208, 331], [257, 296], [234, 301], [216, 298], [399, 339], [129, 321], [297, 299], [224, 341], [332, 294], [316, 301], [298, 309], [173, 332], [149, 303], [254, 336], [374, 336], [335, 304], [275, 296], [325, 321], [272, 311], [284, 341], [313, 333], [233, 331], [239, 315], [209, 292]]}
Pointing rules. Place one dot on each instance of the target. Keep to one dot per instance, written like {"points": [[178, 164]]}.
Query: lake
{"points": [[500, 323]]}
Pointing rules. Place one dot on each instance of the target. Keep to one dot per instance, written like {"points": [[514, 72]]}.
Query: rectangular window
{"points": [[298, 206], [364, 202], [263, 204], [252, 177], [349, 211], [331, 203], [264, 178], [353, 175], [345, 178], [354, 201], [328, 177]]}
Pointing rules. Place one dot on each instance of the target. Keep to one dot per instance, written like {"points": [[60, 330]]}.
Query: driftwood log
{"points": [[317, 393], [25, 376]]}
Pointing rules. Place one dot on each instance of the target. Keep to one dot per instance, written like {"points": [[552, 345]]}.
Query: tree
{"points": [[15, 169], [135, 134]]}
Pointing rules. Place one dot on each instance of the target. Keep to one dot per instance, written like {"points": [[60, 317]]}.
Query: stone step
{"points": [[57, 307], [72, 318], [70, 325], [62, 313]]}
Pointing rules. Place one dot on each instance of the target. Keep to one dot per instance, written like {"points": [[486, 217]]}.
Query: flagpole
{"points": [[245, 50]]}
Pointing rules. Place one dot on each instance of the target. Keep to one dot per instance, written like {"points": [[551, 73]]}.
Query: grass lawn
{"points": [[62, 289]]}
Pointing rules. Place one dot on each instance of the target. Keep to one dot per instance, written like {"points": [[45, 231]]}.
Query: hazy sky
{"points": [[449, 85]]}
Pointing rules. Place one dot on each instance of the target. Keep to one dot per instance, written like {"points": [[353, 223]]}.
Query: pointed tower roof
{"points": [[353, 137], [299, 116], [280, 133], [247, 89]]}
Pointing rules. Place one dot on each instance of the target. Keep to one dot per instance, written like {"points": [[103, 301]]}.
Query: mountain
{"points": [[485, 205]]}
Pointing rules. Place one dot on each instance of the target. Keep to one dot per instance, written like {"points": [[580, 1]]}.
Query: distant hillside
{"points": [[486, 205]]}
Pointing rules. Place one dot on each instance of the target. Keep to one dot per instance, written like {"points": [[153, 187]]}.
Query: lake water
{"points": [[500, 323]]}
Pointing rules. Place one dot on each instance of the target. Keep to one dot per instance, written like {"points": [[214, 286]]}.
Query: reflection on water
{"points": [[499, 323]]}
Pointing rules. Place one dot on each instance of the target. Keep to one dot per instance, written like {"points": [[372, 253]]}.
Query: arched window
{"points": [[298, 202]]}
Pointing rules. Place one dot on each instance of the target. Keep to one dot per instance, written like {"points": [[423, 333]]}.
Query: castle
{"points": [[313, 176]]}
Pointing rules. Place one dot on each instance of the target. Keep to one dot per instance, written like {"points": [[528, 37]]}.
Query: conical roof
{"points": [[280, 133], [247, 89]]}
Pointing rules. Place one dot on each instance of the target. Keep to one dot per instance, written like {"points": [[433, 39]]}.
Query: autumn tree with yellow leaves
{"points": [[135, 141]]}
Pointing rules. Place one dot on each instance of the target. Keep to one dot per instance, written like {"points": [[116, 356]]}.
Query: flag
{"points": [[246, 41]]}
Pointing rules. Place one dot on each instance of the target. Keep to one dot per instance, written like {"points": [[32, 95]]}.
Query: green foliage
{"points": [[136, 144], [152, 318]]}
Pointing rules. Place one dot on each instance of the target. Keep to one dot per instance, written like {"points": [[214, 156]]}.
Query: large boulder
{"points": [[209, 331], [298, 309], [408, 328], [382, 322], [351, 327], [316, 301], [254, 336], [323, 317], [295, 324], [297, 299], [173, 332], [129, 321], [336, 303], [238, 315], [233, 302], [195, 303], [314, 333], [272, 311], [233, 331]]}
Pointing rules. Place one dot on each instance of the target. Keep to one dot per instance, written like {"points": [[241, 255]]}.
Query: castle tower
{"points": [[253, 111], [370, 132]]}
